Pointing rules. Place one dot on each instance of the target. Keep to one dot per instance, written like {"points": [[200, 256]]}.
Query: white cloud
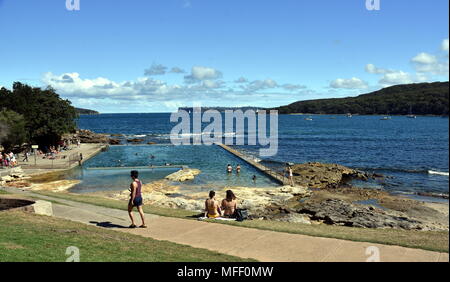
{"points": [[400, 77], [156, 69], [427, 63], [424, 58], [427, 67], [293, 87], [352, 83], [444, 45], [202, 84], [434, 64], [370, 68], [200, 73], [212, 84], [258, 85], [72, 85], [241, 80], [177, 70]]}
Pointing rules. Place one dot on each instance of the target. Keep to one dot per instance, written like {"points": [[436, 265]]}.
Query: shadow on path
{"points": [[107, 224]]}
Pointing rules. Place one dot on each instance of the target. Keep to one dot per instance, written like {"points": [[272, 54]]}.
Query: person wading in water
{"points": [[136, 199]]}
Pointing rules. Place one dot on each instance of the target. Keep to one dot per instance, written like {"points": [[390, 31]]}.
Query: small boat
{"points": [[349, 115], [386, 118], [309, 118], [410, 115]]}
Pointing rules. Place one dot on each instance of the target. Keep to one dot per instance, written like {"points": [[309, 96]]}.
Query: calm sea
{"points": [[413, 153]]}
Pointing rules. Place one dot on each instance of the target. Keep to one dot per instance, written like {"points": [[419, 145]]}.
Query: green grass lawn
{"points": [[427, 240], [28, 237]]}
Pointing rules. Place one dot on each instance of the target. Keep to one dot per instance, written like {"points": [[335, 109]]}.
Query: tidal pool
{"points": [[109, 171]]}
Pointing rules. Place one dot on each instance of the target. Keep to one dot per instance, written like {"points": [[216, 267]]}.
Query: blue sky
{"points": [[156, 55]]}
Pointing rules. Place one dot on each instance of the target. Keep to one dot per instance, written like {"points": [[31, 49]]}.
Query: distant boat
{"points": [[349, 115], [410, 115], [386, 118], [309, 118]]}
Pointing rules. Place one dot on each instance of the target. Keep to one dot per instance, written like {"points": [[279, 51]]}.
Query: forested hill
{"points": [[81, 111], [220, 109], [420, 99]]}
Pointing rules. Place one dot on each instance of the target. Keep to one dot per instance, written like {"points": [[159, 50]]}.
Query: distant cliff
{"points": [[81, 111], [417, 99]]}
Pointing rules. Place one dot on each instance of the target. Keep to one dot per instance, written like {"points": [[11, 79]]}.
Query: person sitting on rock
{"points": [[212, 207], [229, 205]]}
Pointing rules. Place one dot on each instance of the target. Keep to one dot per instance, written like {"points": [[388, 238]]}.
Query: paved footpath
{"points": [[265, 246]]}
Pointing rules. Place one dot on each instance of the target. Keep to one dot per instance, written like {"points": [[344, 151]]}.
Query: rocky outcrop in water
{"points": [[319, 175], [183, 175], [135, 140], [114, 141]]}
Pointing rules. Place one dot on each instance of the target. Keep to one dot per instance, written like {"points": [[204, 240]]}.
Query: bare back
{"points": [[229, 207], [212, 206]]}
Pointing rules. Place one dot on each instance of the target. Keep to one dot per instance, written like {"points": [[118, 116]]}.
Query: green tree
{"points": [[12, 129], [47, 116]]}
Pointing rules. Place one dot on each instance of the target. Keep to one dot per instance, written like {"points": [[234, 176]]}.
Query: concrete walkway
{"points": [[46, 165], [265, 246]]}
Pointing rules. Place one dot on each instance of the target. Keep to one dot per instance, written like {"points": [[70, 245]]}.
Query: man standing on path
{"points": [[136, 199]]}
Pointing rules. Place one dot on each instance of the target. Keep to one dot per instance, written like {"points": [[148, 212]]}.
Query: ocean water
{"points": [[412, 153]]}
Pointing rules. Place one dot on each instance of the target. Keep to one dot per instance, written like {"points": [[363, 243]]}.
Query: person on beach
{"points": [[290, 175], [136, 199], [212, 207], [13, 160], [25, 159], [238, 168], [229, 169], [229, 205]]}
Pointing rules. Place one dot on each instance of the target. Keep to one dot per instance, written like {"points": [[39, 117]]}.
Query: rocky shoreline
{"points": [[87, 136], [321, 196]]}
